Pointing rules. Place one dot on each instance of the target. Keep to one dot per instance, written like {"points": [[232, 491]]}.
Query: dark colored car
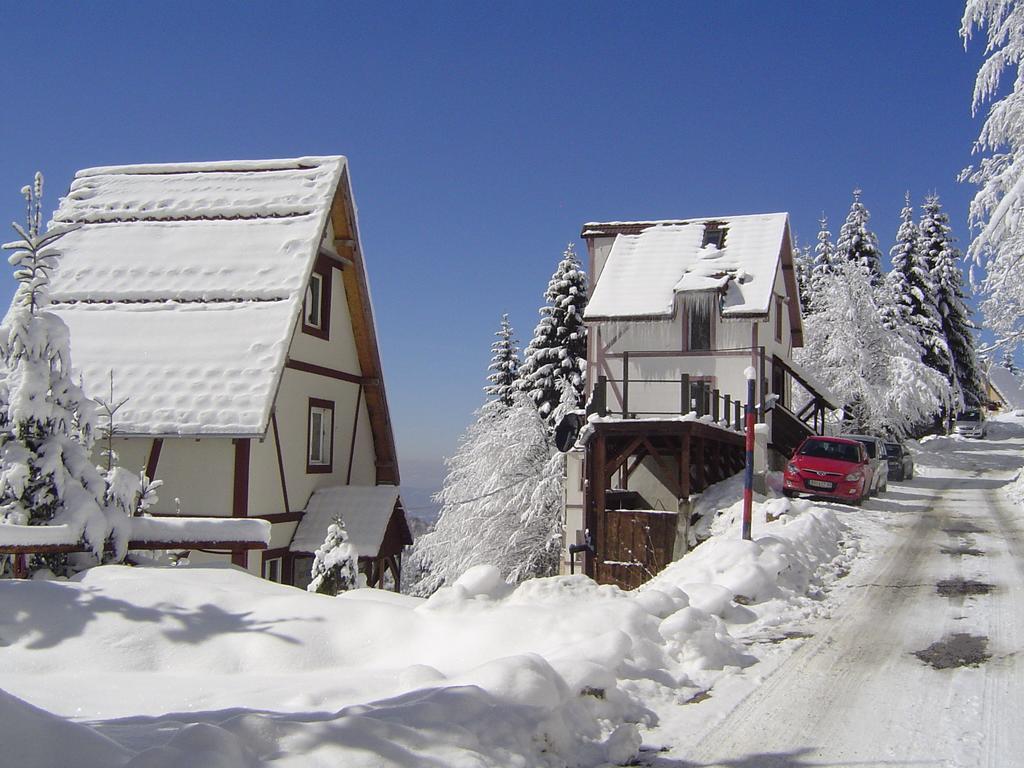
{"points": [[832, 467], [901, 463]]}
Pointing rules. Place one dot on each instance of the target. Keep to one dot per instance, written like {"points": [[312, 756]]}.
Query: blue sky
{"points": [[482, 135]]}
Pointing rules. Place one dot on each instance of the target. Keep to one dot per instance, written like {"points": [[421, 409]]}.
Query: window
{"points": [[313, 309], [778, 319], [321, 436], [316, 307], [699, 329], [272, 569]]}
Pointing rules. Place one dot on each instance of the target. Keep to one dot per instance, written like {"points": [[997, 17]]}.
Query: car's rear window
{"points": [[869, 446], [828, 449], [893, 449]]}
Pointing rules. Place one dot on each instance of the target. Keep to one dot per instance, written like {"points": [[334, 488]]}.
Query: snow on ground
{"points": [[153, 667]]}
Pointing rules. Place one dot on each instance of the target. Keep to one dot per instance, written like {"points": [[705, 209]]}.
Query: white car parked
{"points": [[970, 423]]}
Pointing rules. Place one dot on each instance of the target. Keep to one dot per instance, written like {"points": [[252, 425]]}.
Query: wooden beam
{"points": [[322, 370], [240, 491], [352, 442], [280, 461], [154, 457]]}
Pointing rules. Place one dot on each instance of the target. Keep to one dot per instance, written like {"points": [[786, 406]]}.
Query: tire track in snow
{"points": [[803, 709]]}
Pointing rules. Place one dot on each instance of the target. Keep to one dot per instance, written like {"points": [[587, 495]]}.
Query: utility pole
{"points": [[748, 474]]}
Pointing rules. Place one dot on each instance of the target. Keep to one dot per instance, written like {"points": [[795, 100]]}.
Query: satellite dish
{"points": [[567, 430]]}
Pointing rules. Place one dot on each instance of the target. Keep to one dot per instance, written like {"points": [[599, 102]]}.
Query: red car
{"points": [[832, 467]]}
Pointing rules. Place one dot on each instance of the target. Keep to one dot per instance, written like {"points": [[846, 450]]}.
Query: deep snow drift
{"points": [[211, 666]]}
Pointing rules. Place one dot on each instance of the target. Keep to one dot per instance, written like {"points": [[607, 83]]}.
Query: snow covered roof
{"points": [[365, 509], [186, 281], [650, 262], [1009, 385]]}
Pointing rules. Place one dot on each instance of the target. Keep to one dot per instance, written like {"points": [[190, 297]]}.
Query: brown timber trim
{"points": [[322, 370], [352, 444], [240, 492], [280, 459], [154, 457]]}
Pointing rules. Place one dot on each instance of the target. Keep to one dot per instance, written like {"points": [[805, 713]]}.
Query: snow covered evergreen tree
{"points": [[821, 268], [803, 264], [859, 244], [912, 288], [504, 367], [940, 255], [501, 502], [997, 210], [886, 386], [46, 421], [334, 563], [559, 346]]}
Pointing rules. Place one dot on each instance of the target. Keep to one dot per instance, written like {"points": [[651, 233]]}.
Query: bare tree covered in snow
{"points": [[559, 346], [998, 207], [503, 373], [46, 421], [501, 502], [888, 389]]}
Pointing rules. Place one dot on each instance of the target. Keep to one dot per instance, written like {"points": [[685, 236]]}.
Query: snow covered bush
{"points": [[334, 563], [47, 424], [501, 502]]}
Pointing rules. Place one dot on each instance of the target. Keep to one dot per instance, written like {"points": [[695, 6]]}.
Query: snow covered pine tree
{"points": [[334, 563], [46, 421], [504, 367], [559, 346], [859, 244], [912, 289], [941, 257], [821, 267]]}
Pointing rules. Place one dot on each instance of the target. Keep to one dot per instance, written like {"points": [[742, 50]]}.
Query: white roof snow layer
{"points": [[645, 271], [365, 510], [1010, 386], [186, 280], [185, 369]]}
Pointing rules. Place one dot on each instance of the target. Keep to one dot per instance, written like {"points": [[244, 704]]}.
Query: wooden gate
{"points": [[637, 545]]}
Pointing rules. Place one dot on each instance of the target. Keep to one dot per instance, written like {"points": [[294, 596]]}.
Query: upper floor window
{"points": [[699, 328], [314, 302], [320, 454], [316, 307], [778, 318]]}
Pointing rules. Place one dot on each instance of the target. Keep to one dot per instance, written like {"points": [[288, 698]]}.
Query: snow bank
{"points": [[213, 666]]}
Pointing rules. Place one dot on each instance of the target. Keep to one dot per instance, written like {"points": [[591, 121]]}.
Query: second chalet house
{"points": [[227, 305], [678, 310]]}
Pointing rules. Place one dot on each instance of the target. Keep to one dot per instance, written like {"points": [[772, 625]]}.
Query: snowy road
{"points": [[946, 577]]}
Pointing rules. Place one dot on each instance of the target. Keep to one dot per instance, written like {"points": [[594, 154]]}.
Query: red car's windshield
{"points": [[828, 449]]}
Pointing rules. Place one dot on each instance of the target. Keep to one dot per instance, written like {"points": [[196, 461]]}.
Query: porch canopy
{"points": [[372, 515]]}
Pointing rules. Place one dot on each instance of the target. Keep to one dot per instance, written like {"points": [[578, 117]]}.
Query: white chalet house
{"points": [[678, 310], [227, 304]]}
